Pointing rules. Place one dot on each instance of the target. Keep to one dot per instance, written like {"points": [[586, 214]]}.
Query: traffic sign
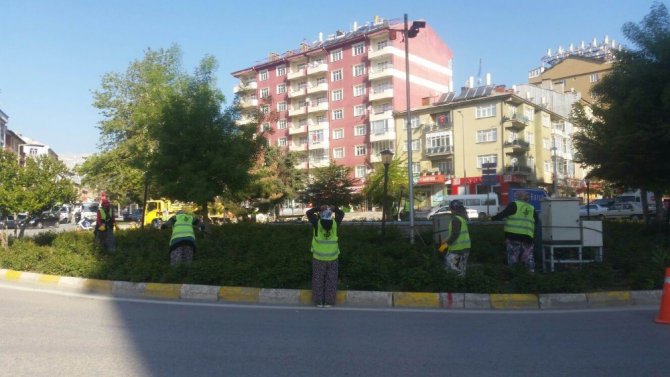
{"points": [[489, 173]]}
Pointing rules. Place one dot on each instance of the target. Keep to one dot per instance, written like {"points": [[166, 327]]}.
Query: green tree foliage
{"points": [[397, 183], [625, 135], [200, 151], [10, 183], [330, 185], [132, 106], [276, 178]]}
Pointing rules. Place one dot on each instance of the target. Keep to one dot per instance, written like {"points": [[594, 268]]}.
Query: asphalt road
{"points": [[71, 335]]}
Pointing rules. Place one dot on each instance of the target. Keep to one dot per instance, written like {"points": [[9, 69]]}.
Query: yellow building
{"points": [[454, 136]]}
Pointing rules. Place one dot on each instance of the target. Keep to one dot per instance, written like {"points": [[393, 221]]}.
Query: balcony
{"points": [[382, 73], [301, 165], [517, 146], [313, 126], [246, 119], [319, 144], [322, 163], [382, 136], [439, 151], [386, 51], [323, 106], [382, 94], [517, 169], [302, 110], [318, 68], [297, 74], [429, 128], [243, 87], [388, 114], [297, 147], [295, 93], [295, 130], [244, 102], [323, 87], [516, 122]]}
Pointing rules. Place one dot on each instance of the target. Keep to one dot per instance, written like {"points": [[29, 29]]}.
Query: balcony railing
{"points": [[518, 169], [297, 111], [243, 87], [297, 74], [297, 147], [295, 130], [517, 146], [382, 94], [517, 122], [323, 87], [383, 135], [434, 127], [439, 151], [380, 52], [323, 106], [378, 73], [295, 93], [248, 102], [317, 68], [320, 144]]}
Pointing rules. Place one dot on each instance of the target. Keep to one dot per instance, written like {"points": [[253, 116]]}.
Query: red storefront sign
{"points": [[432, 179]]}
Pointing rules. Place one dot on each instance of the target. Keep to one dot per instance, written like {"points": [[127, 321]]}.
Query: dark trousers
{"points": [[324, 281]]}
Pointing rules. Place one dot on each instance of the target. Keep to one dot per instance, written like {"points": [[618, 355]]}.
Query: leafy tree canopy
{"points": [[330, 185]]}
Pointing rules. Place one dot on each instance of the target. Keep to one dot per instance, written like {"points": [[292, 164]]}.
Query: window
{"points": [[281, 88], [382, 108], [545, 143], [530, 137], [414, 122], [337, 95], [485, 136], [338, 114], [446, 167], [485, 111], [358, 49], [546, 120], [265, 92], [264, 75], [281, 142], [359, 110], [438, 140], [359, 70], [382, 44], [416, 145], [361, 171], [281, 70], [321, 119], [529, 113], [265, 127], [336, 55], [593, 77], [360, 150], [360, 130], [337, 75], [265, 109], [359, 90], [338, 153], [281, 106], [547, 166], [316, 137], [380, 126], [338, 133], [486, 158], [282, 124]]}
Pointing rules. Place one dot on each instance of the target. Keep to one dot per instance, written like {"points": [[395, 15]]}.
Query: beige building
{"points": [[454, 136], [575, 69]]}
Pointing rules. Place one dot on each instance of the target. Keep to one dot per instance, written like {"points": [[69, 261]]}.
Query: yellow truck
{"points": [[159, 211]]}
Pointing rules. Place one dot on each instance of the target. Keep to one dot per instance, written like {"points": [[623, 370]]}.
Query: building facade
{"points": [[526, 144], [335, 99], [3, 129], [576, 69]]}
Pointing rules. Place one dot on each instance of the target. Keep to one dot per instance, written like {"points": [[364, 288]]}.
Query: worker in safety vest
{"points": [[182, 242], [325, 252], [520, 219], [457, 245], [104, 226]]}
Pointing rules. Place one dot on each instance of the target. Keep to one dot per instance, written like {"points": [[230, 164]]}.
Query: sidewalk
{"points": [[373, 299]]}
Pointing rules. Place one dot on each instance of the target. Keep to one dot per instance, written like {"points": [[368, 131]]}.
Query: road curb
{"points": [[303, 297]]}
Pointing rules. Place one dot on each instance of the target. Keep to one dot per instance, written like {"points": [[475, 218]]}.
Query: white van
{"points": [[485, 205], [636, 197]]}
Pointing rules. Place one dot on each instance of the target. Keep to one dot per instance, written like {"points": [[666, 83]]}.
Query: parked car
{"points": [[592, 210], [8, 222], [631, 211], [65, 214], [134, 215], [472, 213], [604, 202], [89, 211], [46, 218]]}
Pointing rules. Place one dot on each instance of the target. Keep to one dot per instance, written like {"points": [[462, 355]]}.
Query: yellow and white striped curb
{"points": [[195, 292]]}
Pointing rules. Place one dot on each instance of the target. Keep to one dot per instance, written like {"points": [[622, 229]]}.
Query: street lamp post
{"points": [[387, 156], [407, 34]]}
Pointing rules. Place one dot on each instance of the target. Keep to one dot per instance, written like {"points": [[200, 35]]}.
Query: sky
{"points": [[54, 53]]}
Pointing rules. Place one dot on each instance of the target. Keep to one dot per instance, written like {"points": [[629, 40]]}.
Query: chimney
{"points": [[355, 26], [471, 82], [320, 36], [488, 79]]}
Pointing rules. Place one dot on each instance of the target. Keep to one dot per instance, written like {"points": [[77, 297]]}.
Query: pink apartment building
{"points": [[335, 98]]}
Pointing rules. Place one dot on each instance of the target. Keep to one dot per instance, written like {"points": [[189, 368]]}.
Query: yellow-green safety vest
{"points": [[324, 243], [103, 217], [522, 222], [183, 227], [462, 242]]}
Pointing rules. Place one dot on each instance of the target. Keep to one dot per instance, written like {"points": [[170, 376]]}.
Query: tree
{"points": [[200, 151], [37, 186], [276, 179], [624, 137], [397, 183], [330, 185], [132, 106]]}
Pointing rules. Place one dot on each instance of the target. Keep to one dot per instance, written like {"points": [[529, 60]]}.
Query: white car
{"points": [[592, 210], [472, 213], [89, 211]]}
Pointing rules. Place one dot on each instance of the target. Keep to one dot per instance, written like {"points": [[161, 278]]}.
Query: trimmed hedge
{"points": [[277, 256]]}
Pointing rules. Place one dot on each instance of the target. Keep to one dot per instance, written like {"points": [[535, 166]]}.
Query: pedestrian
{"points": [[325, 252], [104, 226], [457, 245], [520, 219], [182, 242]]}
